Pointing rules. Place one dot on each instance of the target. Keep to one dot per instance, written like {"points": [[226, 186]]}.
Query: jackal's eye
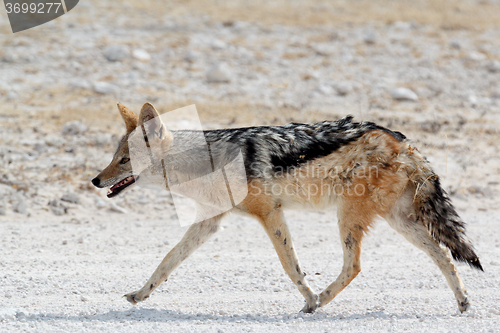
{"points": [[124, 160]]}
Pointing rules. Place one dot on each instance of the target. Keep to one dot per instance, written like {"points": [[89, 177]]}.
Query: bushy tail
{"points": [[434, 209]]}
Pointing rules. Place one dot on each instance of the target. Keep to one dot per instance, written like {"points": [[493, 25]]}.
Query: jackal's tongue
{"points": [[120, 186]]}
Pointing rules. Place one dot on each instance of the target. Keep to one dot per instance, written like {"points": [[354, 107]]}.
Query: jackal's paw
{"points": [[310, 309], [135, 297], [464, 305]]}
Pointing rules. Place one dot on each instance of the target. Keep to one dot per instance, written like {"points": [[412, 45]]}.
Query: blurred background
{"points": [[427, 68]]}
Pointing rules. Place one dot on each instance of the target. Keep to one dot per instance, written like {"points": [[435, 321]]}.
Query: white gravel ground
{"points": [[68, 254], [61, 275]]}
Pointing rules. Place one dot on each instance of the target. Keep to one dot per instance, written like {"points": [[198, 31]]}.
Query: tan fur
{"points": [[129, 117]]}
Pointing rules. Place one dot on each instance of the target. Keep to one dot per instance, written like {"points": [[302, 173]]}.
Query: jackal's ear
{"points": [[148, 112], [152, 122], [129, 117]]}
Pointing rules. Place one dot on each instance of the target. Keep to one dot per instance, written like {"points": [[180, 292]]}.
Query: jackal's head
{"points": [[119, 175]]}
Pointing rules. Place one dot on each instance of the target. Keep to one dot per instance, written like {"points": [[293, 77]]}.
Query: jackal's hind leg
{"points": [[351, 235], [417, 234], [277, 230], [196, 235]]}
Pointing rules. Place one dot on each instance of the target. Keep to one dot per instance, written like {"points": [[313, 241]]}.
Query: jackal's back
{"points": [[282, 148]]}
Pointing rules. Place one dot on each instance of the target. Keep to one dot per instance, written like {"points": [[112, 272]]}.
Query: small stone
{"points": [[3, 210], [20, 315], [495, 93], [19, 204], [80, 84], [106, 88], [455, 44], [219, 73], [404, 94], [400, 25], [218, 44], [54, 141], [57, 207], [71, 197], [141, 55], [191, 56], [74, 128], [64, 242], [472, 100], [324, 89], [11, 95], [115, 208], [494, 66], [143, 200], [116, 52], [344, 88], [370, 38], [476, 56], [99, 203]]}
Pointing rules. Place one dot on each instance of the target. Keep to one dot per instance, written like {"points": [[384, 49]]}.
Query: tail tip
{"points": [[475, 263]]}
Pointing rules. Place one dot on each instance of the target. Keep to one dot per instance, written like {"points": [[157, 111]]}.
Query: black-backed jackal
{"points": [[364, 169]]}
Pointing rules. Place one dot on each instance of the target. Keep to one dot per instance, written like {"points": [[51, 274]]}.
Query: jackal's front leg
{"points": [[277, 230], [196, 235], [351, 234]]}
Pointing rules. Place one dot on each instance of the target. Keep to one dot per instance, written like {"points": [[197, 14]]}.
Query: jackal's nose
{"points": [[96, 181]]}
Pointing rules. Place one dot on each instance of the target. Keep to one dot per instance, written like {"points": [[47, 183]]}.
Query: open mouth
{"points": [[121, 185]]}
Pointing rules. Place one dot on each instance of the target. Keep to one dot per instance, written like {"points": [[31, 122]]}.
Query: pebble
{"points": [[472, 100], [80, 84], [191, 56], [106, 88], [476, 56], [455, 44], [116, 52], [404, 94], [57, 207], [344, 88], [11, 95], [495, 93], [494, 66], [71, 197], [54, 141], [219, 73], [217, 44], [19, 204], [99, 203], [370, 38], [141, 55], [324, 89], [117, 209], [74, 128]]}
